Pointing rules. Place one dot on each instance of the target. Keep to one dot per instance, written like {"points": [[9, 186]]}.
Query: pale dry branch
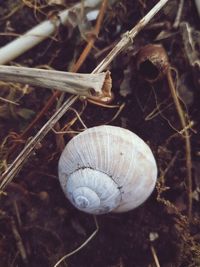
{"points": [[129, 36], [90, 85]]}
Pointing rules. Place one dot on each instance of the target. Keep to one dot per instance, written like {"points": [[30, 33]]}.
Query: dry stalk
{"points": [[186, 135], [178, 15], [155, 257], [92, 39], [197, 2], [81, 246], [19, 242], [155, 57], [90, 85], [129, 36], [127, 39], [16, 165]]}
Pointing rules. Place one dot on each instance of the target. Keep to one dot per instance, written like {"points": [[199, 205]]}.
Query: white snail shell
{"points": [[107, 168]]}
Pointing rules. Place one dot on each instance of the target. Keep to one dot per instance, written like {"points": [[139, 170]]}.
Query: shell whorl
{"points": [[92, 191], [117, 155]]}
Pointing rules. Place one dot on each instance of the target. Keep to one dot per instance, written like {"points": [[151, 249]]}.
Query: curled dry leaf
{"points": [[152, 62]]}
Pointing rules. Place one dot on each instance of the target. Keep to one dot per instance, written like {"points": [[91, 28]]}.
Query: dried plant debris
{"points": [[198, 6], [125, 86], [191, 40], [56, 2], [37, 224], [185, 88]]}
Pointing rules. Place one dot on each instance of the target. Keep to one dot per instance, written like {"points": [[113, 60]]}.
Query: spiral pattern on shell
{"points": [[107, 168]]}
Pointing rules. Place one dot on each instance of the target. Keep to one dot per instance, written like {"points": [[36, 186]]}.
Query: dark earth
{"points": [[38, 225]]}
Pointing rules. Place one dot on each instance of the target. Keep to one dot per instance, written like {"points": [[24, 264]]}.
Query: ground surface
{"points": [[37, 224]]}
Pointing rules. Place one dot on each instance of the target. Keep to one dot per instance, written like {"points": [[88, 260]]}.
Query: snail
{"points": [[107, 168]]}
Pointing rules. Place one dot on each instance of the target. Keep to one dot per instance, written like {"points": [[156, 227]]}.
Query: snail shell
{"points": [[107, 168]]}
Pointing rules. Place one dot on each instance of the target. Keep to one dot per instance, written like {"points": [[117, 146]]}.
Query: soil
{"points": [[38, 225]]}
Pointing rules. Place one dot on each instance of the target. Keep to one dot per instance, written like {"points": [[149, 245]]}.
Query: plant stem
{"points": [[186, 137], [89, 85]]}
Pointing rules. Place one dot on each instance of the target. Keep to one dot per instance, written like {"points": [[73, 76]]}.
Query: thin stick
{"points": [[81, 246], [9, 174], [155, 257], [178, 15], [92, 39], [19, 243], [9, 101], [129, 36], [186, 137], [197, 2]]}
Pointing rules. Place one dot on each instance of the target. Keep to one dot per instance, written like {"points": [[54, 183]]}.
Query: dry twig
{"points": [[129, 36], [186, 137], [197, 2], [9, 174], [81, 246], [19, 242], [178, 15], [155, 257]]}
